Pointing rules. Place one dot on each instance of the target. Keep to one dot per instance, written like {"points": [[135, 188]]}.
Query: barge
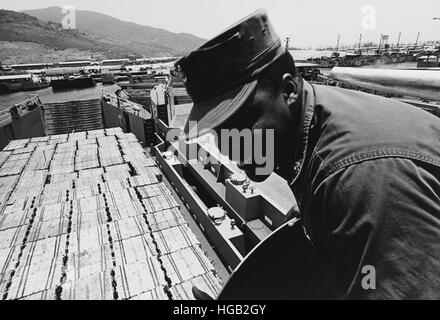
{"points": [[110, 205], [21, 82], [97, 202], [72, 83]]}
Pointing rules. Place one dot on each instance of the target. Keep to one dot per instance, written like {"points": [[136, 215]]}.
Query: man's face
{"points": [[266, 117]]}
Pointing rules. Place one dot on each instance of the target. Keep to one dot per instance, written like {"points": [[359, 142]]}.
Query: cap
{"points": [[221, 74]]}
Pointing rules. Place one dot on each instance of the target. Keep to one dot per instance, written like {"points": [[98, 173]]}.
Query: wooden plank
{"points": [[143, 180], [155, 294], [27, 149], [88, 261], [12, 167], [40, 268], [115, 185], [48, 294], [12, 237], [139, 277], [85, 220], [207, 282], [97, 286], [135, 249], [4, 156], [127, 228], [153, 190], [16, 144], [48, 229], [159, 203], [14, 220], [8, 259], [165, 219], [52, 212], [175, 239], [186, 264]]}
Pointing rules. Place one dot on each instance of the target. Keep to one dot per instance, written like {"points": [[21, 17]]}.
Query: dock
{"points": [[88, 215]]}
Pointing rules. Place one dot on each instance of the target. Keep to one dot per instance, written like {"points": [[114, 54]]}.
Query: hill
{"points": [[12, 52], [143, 40], [16, 26], [20, 28]]}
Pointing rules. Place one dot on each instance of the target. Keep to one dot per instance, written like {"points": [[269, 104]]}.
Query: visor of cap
{"points": [[212, 113]]}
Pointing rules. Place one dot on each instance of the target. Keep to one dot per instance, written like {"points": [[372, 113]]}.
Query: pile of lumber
{"points": [[86, 215]]}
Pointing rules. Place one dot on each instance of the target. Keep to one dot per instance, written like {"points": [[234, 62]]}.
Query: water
{"points": [[47, 95], [394, 66]]}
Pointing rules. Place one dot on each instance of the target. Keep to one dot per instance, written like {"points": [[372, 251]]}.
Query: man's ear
{"points": [[289, 87]]}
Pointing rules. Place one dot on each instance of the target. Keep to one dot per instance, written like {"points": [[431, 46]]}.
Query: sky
{"points": [[310, 23]]}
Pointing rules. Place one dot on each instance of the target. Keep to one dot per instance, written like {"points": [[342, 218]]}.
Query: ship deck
{"points": [[87, 215]]}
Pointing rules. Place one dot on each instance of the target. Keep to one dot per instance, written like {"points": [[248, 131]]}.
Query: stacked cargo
{"points": [[87, 156], [14, 164], [109, 153], [64, 117], [41, 156], [86, 216]]}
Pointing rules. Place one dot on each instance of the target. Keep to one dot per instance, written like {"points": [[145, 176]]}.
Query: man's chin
{"points": [[251, 172]]}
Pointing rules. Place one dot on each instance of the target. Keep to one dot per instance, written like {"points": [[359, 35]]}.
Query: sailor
{"points": [[365, 170]]}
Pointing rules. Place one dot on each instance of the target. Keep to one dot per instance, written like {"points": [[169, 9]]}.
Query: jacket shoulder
{"points": [[353, 126]]}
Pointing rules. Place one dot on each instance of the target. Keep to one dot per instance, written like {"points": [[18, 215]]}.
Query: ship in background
{"points": [[423, 55], [21, 82], [83, 74]]}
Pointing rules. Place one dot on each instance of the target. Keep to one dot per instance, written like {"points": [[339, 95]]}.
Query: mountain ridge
{"points": [[97, 35], [140, 38]]}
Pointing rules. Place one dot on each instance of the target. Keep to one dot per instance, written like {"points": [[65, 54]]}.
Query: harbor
{"points": [[99, 193], [101, 197], [107, 193]]}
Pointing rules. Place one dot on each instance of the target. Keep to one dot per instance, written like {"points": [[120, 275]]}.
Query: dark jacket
{"points": [[367, 182]]}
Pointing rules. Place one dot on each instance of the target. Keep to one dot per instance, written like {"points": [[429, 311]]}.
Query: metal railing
{"points": [[126, 105], [19, 109], [5, 117]]}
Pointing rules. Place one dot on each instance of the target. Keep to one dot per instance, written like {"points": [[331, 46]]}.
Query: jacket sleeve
{"points": [[377, 225]]}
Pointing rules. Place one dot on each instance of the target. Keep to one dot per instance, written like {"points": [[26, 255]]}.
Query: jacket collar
{"points": [[308, 107]]}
